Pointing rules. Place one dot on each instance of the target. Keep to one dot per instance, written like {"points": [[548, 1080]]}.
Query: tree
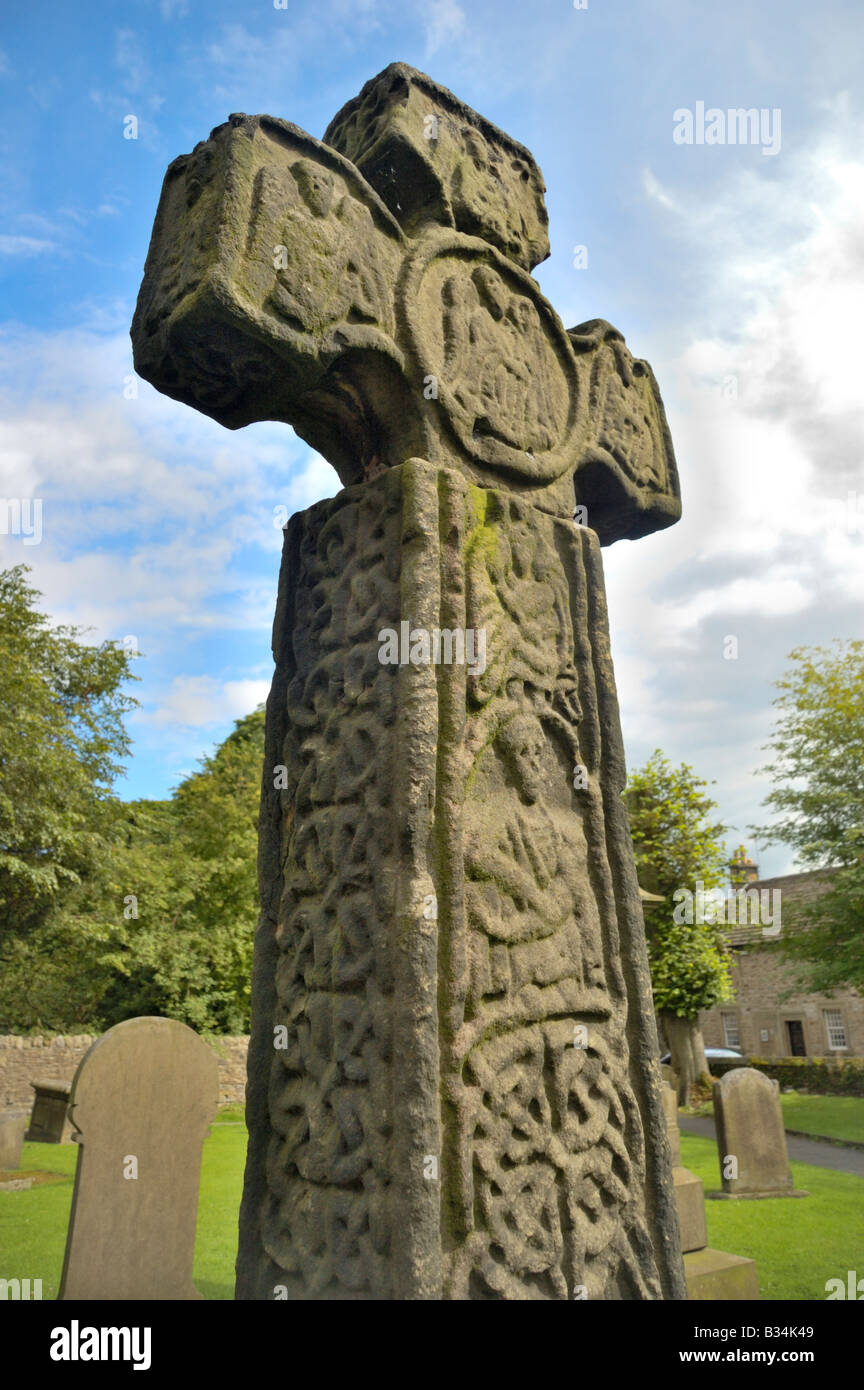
{"points": [[112, 909], [823, 938], [181, 907], [62, 742], [166, 927], [677, 846], [818, 790]]}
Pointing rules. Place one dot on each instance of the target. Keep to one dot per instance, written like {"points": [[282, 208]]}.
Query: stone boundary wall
{"points": [[55, 1058]]}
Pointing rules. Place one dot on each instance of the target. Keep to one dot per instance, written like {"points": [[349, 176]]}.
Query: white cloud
{"points": [[654, 190], [25, 246], [129, 58], [197, 702], [767, 414], [314, 482], [156, 521], [767, 410], [443, 22], [772, 597]]}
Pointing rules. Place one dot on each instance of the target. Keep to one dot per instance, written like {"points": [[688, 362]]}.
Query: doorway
{"points": [[795, 1030]]}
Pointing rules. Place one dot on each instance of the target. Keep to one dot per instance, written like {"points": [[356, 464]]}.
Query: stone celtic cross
{"points": [[452, 1081]]}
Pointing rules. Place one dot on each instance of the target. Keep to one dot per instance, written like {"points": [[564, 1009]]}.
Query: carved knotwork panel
{"points": [[540, 1175], [319, 259], [326, 1222], [546, 1172]]}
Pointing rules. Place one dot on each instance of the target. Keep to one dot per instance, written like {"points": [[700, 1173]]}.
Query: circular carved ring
{"points": [[491, 351]]}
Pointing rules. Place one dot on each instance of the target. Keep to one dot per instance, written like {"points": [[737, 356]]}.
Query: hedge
{"points": [[825, 1076]]}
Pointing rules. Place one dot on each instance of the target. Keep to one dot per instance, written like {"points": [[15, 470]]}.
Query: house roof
{"points": [[793, 888]]}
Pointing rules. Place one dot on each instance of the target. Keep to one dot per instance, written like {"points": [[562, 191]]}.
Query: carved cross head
{"points": [[373, 290]]}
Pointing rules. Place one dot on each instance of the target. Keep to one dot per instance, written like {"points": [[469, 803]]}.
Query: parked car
{"points": [[712, 1054]]}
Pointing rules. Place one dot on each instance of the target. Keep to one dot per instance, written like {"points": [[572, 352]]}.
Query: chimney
{"points": [[742, 870]]}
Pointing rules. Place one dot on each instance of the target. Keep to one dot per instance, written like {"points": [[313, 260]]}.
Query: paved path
{"points": [[816, 1151]]}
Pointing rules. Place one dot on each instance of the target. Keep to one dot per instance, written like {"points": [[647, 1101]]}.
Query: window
{"points": [[730, 1030], [834, 1028]]}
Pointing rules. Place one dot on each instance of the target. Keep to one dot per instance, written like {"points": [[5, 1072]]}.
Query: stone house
{"points": [[761, 1021]]}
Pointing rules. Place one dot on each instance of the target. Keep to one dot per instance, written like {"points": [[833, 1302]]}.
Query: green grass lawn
{"points": [[834, 1117], [798, 1244], [831, 1117], [33, 1224]]}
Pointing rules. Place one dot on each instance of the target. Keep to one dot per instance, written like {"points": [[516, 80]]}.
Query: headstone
{"points": [[13, 1123], [710, 1274], [142, 1101], [452, 1076], [49, 1120], [670, 1076], [751, 1139]]}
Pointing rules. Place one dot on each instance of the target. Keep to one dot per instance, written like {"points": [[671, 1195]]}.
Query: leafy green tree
{"points": [[112, 909], [182, 903], [678, 846], [818, 793], [824, 938], [62, 743]]}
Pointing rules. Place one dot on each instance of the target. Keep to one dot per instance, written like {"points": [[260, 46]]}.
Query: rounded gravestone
{"points": [[751, 1138], [141, 1105], [13, 1123]]}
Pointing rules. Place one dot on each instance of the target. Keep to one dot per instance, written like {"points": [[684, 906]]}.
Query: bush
{"points": [[823, 1076]]}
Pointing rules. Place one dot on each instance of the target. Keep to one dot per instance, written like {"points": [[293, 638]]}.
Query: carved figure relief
{"points": [[503, 368], [330, 269], [548, 1193]]}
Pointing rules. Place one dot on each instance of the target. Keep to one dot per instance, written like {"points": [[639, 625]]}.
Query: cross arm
{"points": [[626, 474], [268, 294], [373, 291]]}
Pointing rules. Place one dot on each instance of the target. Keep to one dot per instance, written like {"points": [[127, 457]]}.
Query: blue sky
{"points": [[719, 263]]}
